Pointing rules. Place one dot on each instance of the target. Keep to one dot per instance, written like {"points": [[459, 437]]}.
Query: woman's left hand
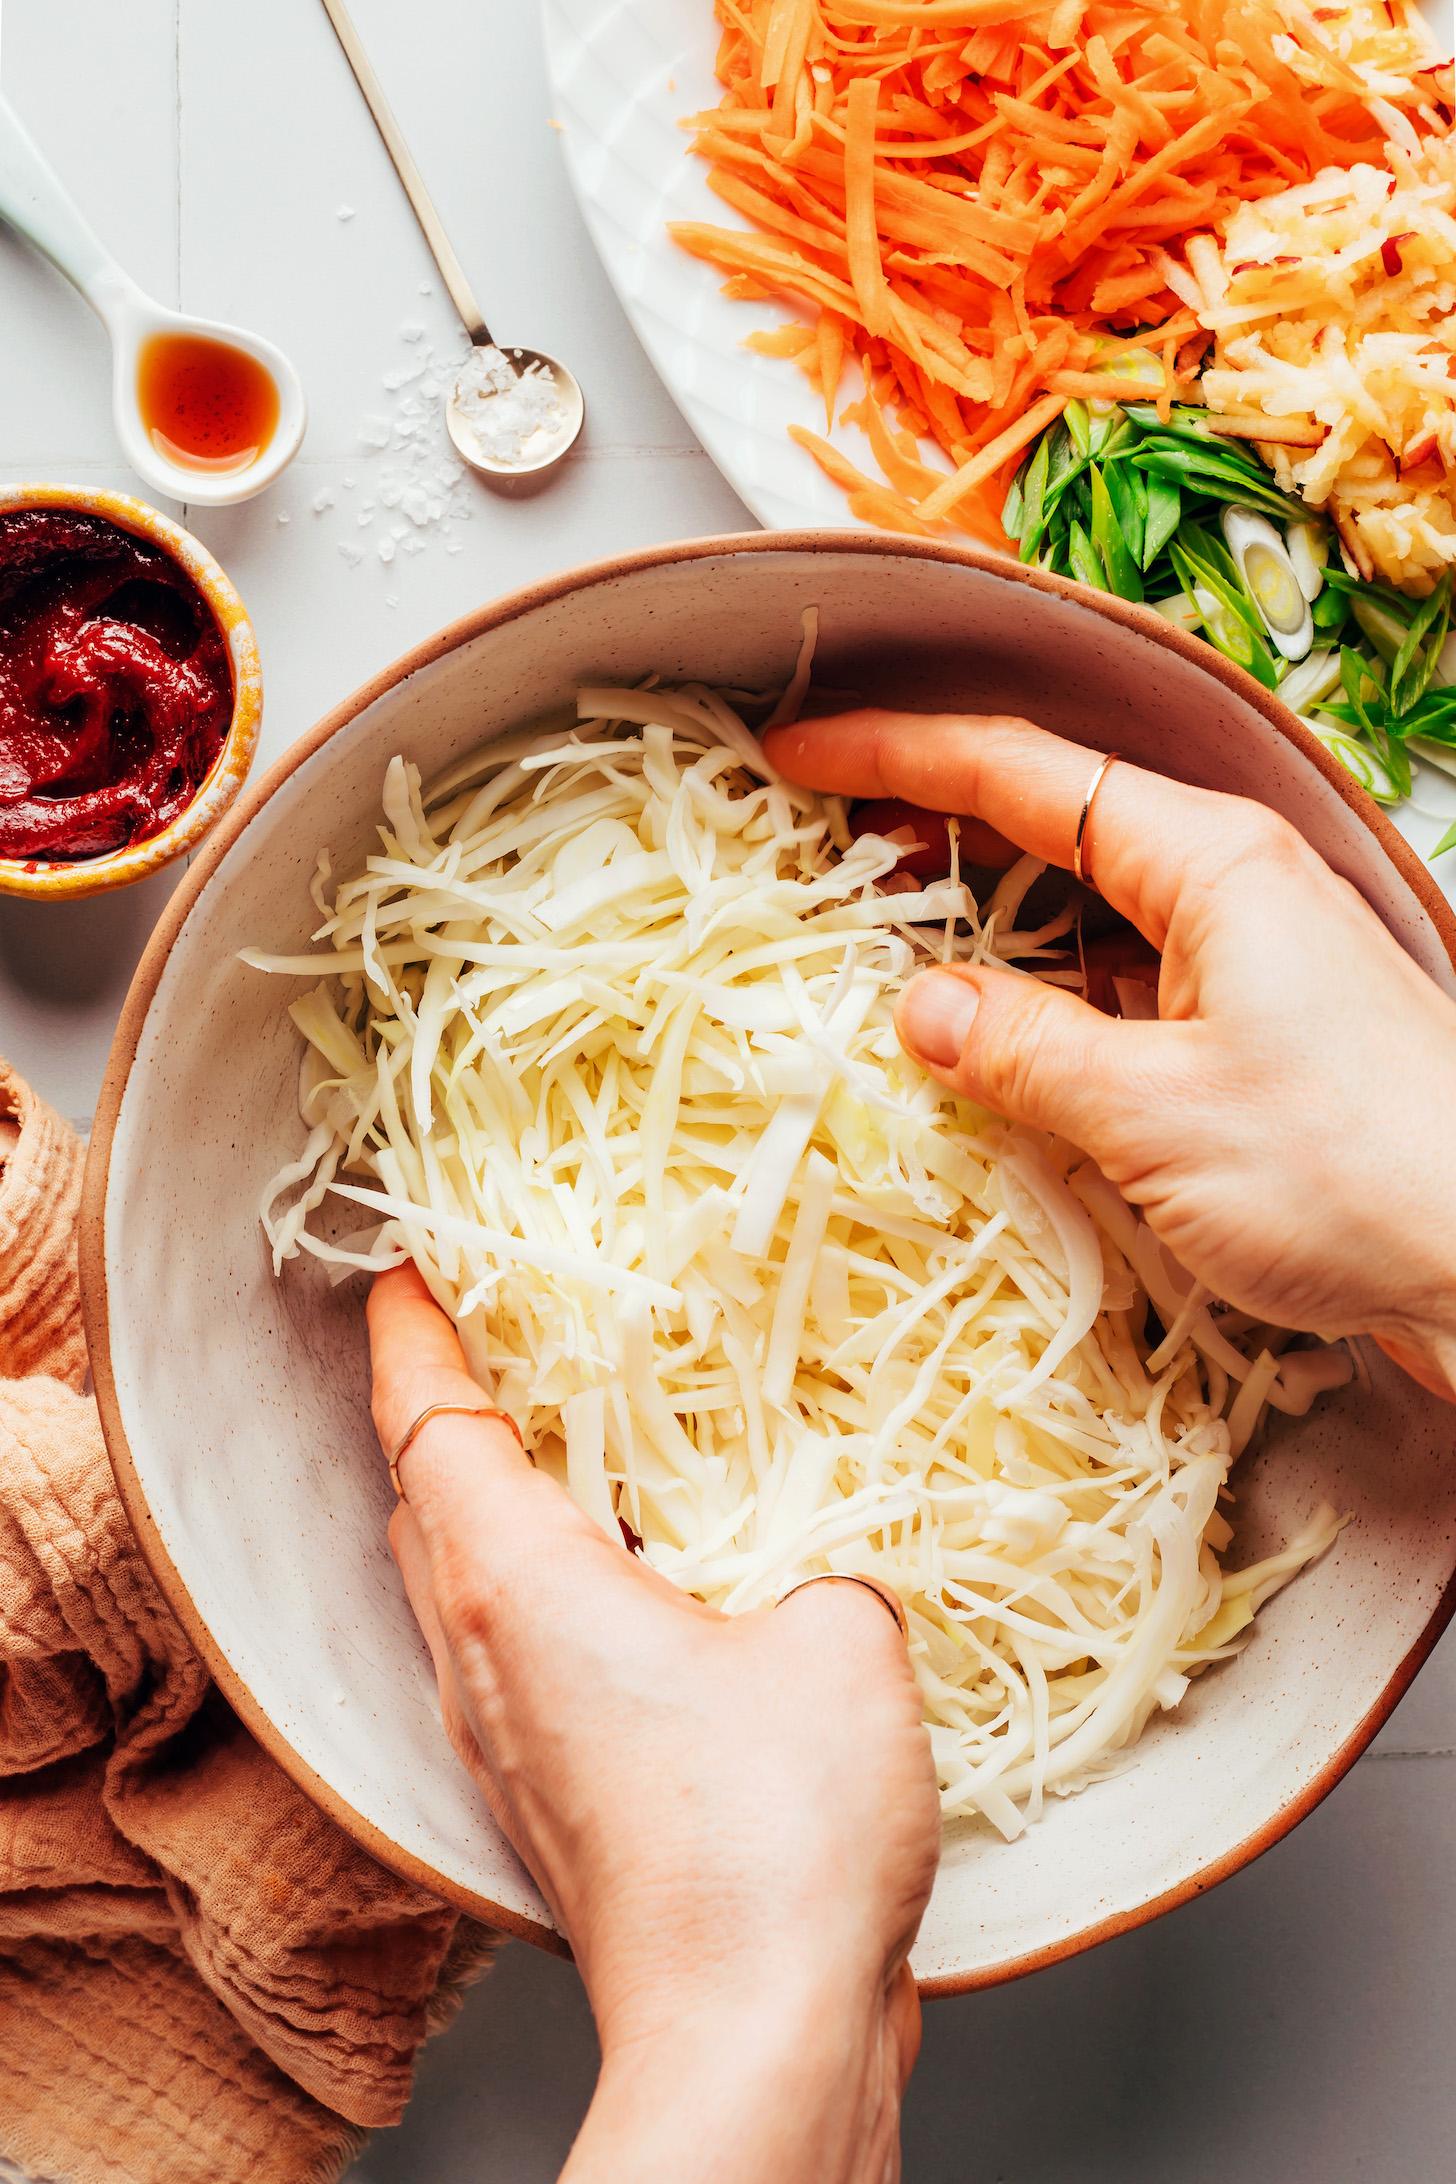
{"points": [[734, 1819]]}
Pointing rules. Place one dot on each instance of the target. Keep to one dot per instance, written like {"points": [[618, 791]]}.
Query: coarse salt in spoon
{"points": [[513, 414]]}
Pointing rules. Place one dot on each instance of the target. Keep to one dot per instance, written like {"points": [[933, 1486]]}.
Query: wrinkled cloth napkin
{"points": [[202, 1979]]}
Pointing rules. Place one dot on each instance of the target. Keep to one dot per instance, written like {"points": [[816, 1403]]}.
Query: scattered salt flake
{"points": [[352, 554], [324, 498], [283, 516], [415, 487], [391, 599], [426, 288], [345, 212], [402, 376]]}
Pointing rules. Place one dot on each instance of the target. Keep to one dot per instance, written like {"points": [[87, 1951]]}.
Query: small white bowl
{"points": [[235, 1405]]}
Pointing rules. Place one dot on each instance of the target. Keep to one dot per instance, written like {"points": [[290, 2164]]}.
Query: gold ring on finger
{"points": [[444, 1410], [1099, 774]]}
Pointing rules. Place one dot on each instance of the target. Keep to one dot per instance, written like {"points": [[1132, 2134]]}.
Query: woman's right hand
{"points": [[1287, 1126]]}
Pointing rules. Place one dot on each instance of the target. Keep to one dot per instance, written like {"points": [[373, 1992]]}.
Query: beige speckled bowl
{"points": [[94, 875], [235, 1405]]}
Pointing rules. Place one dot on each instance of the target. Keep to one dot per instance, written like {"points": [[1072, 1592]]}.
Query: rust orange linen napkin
{"points": [[202, 1979]]}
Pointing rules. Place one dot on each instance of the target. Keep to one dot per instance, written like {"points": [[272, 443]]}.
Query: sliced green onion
{"points": [[1164, 512], [1315, 678], [1308, 547], [1233, 637], [1384, 629], [1415, 663], [1118, 478], [1357, 758], [1123, 575], [1033, 494], [1330, 610], [1270, 579], [1180, 611], [1082, 555], [1440, 755]]}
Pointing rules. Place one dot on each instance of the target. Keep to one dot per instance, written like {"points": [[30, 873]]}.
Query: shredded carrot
{"points": [[790, 340], [862, 233], [1002, 449], [983, 204], [829, 340]]}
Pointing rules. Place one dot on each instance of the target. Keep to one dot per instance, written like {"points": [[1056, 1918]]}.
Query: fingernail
{"points": [[936, 1016]]}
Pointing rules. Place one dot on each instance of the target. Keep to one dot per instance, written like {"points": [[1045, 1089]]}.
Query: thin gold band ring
{"points": [[882, 1592], [444, 1410], [1098, 775]]}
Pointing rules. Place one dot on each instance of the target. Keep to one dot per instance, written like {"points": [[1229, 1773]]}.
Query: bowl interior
{"points": [[236, 1404]]}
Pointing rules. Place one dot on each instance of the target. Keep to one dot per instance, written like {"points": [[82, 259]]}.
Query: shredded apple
{"points": [[975, 201]]}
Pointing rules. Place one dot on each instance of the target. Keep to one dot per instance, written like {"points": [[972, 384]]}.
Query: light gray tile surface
{"points": [[1295, 2024]]}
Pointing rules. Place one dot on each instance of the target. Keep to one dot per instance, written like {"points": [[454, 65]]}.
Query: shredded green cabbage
{"points": [[603, 1041]]}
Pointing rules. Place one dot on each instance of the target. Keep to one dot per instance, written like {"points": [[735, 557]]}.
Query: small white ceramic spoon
{"points": [[35, 202]]}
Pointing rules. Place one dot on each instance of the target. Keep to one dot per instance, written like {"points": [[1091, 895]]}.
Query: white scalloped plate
{"points": [[623, 74]]}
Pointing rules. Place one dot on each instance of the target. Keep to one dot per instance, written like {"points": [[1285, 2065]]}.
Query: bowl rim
{"points": [[120, 867], [511, 606]]}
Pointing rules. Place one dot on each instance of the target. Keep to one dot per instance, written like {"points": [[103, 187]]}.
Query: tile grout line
{"points": [[177, 170], [177, 148], [609, 451]]}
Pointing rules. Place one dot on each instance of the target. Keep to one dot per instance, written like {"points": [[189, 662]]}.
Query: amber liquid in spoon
{"points": [[205, 405]]}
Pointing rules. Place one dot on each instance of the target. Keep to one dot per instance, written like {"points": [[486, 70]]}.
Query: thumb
{"points": [[1031, 1052]]}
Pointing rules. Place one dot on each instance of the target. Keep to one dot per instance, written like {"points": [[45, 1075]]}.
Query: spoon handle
{"points": [[452, 273], [36, 203]]}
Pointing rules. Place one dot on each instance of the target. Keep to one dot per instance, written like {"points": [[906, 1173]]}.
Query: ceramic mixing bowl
{"points": [[235, 1405]]}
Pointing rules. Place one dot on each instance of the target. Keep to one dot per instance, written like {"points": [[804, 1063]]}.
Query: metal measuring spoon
{"points": [[513, 414]]}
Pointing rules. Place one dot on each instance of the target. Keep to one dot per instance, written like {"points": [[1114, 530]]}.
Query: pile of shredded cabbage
{"points": [[604, 1043]]}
